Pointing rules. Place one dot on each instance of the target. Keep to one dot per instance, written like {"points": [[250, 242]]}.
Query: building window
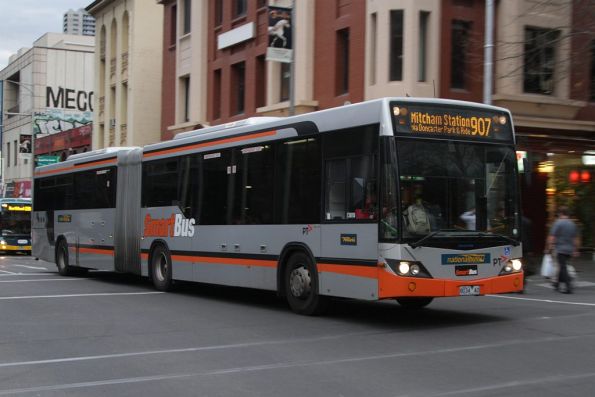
{"points": [[187, 14], [373, 55], [238, 87], [260, 89], [285, 79], [396, 45], [185, 87], [593, 71], [218, 12], [342, 67], [7, 154], [540, 54], [239, 8], [217, 94], [16, 152], [459, 47], [173, 28], [424, 17]]}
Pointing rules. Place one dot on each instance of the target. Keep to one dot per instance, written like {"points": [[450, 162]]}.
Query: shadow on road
{"points": [[387, 314]]}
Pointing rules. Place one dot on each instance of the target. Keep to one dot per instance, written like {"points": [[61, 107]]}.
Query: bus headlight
{"points": [[2, 242], [404, 268], [512, 266]]}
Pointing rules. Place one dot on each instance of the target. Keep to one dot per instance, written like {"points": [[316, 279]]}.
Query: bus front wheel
{"points": [[64, 269], [414, 303], [301, 286], [161, 270]]}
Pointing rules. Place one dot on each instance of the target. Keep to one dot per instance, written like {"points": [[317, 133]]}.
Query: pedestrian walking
{"points": [[564, 240]]}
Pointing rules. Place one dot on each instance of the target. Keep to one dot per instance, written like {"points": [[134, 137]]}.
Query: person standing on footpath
{"points": [[563, 238]]}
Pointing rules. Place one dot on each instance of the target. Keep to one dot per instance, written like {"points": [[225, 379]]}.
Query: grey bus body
{"points": [[350, 257]]}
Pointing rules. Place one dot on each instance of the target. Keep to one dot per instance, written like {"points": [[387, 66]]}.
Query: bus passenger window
{"points": [[336, 189]]}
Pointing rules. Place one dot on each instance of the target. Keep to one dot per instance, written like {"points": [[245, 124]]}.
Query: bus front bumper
{"points": [[15, 248], [393, 286]]}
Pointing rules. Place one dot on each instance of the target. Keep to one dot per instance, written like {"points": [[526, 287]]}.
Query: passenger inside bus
{"points": [[419, 216], [370, 206]]}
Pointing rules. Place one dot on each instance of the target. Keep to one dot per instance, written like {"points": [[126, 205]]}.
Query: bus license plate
{"points": [[469, 290], [22, 242]]}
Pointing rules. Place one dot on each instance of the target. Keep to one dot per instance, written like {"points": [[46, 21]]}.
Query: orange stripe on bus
{"points": [[212, 143], [351, 270], [393, 286], [75, 167], [225, 261], [96, 251]]}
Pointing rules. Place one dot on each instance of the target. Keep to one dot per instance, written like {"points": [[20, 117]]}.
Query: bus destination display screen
{"points": [[454, 122]]}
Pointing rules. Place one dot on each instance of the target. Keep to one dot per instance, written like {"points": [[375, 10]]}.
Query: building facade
{"points": [[47, 89], [79, 22], [128, 60], [215, 71]]}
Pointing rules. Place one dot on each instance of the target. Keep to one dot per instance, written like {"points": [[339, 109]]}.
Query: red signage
{"points": [[71, 139]]}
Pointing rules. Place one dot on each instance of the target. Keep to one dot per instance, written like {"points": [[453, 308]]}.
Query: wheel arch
{"points": [[154, 244], [290, 249], [59, 239]]}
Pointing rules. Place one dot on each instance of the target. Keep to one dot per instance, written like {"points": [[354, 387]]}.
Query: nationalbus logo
{"points": [[174, 226]]}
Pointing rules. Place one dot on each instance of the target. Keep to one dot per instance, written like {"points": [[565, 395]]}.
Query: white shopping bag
{"points": [[571, 271], [547, 266]]}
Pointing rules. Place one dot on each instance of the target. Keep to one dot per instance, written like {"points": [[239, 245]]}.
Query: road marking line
{"points": [[26, 274], [6, 271], [513, 384], [188, 349], [514, 342], [32, 267], [43, 279], [542, 300], [6, 298], [281, 365]]}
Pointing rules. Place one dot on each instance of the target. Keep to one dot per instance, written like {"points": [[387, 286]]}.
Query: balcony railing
{"points": [[123, 134], [101, 106], [124, 63], [112, 137], [112, 70]]}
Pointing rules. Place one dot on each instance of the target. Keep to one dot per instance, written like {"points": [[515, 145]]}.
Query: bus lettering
{"points": [[174, 226]]}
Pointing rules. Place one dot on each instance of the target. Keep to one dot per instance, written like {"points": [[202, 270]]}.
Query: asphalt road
{"points": [[113, 335]]}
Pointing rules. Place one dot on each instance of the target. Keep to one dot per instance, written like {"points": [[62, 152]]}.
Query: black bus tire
{"points": [[161, 270], [301, 286], [62, 259], [414, 302]]}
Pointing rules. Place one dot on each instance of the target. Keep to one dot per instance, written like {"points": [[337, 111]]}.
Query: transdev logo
{"points": [[465, 259]]}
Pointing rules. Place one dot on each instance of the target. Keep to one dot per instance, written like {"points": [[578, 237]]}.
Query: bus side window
{"points": [[350, 174], [336, 206]]}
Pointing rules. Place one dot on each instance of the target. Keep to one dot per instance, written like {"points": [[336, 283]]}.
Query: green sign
{"points": [[46, 160]]}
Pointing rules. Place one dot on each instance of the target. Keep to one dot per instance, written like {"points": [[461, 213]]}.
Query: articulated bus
{"points": [[15, 223], [395, 198]]}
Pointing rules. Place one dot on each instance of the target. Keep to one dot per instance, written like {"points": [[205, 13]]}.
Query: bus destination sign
{"points": [[453, 122], [17, 207]]}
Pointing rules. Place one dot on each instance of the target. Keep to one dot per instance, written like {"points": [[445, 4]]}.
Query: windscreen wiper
{"points": [[500, 236], [419, 242]]}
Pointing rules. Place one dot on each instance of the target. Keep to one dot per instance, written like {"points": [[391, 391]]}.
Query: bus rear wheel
{"points": [[414, 303], [64, 269], [301, 286], [161, 270]]}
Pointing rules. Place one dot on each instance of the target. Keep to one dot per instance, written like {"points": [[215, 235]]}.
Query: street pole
{"points": [[292, 64], [488, 69]]}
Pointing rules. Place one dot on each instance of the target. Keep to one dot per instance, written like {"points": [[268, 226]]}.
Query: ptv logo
{"points": [[174, 226]]}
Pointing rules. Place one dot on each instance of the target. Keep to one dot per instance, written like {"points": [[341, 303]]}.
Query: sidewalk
{"points": [[584, 266]]}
